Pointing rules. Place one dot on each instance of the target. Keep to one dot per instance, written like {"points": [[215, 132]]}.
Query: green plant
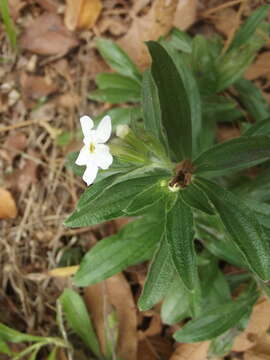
{"points": [[193, 203], [8, 22]]}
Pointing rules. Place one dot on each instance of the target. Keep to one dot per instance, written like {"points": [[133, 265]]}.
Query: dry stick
{"points": [[234, 29], [16, 126], [220, 7]]}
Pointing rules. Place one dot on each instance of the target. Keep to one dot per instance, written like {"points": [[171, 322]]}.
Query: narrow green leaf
{"points": [[115, 95], [4, 349], [214, 322], [180, 237], [175, 306], [8, 22], [159, 277], [260, 128], [235, 154], [117, 81], [118, 59], [53, 354], [180, 40], [196, 199], [134, 244], [10, 335], [79, 319], [252, 99], [151, 107], [262, 211], [242, 226], [203, 65], [175, 108], [247, 30], [148, 198], [110, 204]]}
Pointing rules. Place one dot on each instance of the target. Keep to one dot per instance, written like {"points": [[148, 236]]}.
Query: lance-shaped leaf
{"points": [[159, 277], [242, 225], [175, 108], [134, 244], [260, 128], [214, 322], [195, 197], [118, 59], [235, 154], [110, 204], [151, 107], [78, 318], [180, 237]]}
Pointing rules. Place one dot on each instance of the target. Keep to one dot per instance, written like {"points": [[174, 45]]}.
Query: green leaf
{"points": [[252, 99], [242, 226], [183, 66], [8, 22], [149, 198], [53, 354], [214, 322], [175, 108], [78, 319], [134, 244], [247, 30], [10, 335], [180, 237], [115, 95], [117, 81], [262, 211], [260, 128], [4, 349], [210, 230], [180, 40], [159, 277], [175, 306], [118, 59], [151, 108], [196, 199], [111, 202], [203, 65], [235, 154]]}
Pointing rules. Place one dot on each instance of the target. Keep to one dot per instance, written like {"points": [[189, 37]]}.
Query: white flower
{"points": [[95, 154]]}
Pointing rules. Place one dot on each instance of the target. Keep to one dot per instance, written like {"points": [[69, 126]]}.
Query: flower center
{"points": [[92, 148]]}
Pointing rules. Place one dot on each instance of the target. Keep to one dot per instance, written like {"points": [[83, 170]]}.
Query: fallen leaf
{"points": [[259, 323], [35, 87], [114, 292], [82, 14], [47, 35], [14, 144], [225, 21], [158, 22], [63, 271], [186, 14], [260, 67], [196, 351], [8, 209]]}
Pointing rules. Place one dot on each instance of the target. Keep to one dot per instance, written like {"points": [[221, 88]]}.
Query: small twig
{"points": [[18, 125], [220, 7]]}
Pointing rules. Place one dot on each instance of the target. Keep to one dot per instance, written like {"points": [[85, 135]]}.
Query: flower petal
{"points": [[104, 129], [103, 157], [90, 174], [83, 157], [86, 124]]}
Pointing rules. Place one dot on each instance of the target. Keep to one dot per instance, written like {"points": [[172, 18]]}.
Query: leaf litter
{"points": [[42, 93]]}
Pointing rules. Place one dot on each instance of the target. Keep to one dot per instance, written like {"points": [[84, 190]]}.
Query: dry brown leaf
{"points": [[114, 292], [47, 35], [82, 14], [8, 209], [260, 67], [196, 351], [259, 323], [186, 14], [225, 21], [35, 87], [14, 144], [158, 22]]}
